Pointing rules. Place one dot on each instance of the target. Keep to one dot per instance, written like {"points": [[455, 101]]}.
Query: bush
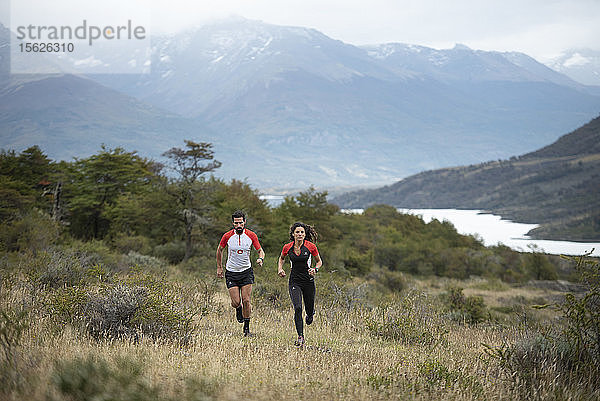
{"points": [[111, 314], [413, 321], [356, 263], [148, 262], [137, 305], [95, 379], [142, 305], [56, 268], [12, 326], [36, 231], [539, 266], [389, 255], [565, 356], [466, 309], [132, 243], [173, 252], [582, 314], [391, 280], [439, 376]]}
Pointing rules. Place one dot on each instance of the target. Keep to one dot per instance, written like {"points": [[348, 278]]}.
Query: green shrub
{"points": [[582, 314], [470, 309], [414, 321], [391, 280], [173, 252], [148, 262], [96, 252], [439, 376], [142, 305], [136, 305], [56, 268], [357, 263], [36, 231], [563, 356], [132, 243], [347, 296], [539, 266], [390, 256], [112, 312], [95, 379], [12, 326]]}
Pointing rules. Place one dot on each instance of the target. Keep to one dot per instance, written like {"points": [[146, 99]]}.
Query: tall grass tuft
{"points": [[412, 320]]}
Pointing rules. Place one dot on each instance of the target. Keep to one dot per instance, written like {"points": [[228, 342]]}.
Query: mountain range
{"points": [[555, 186], [582, 65], [289, 107]]}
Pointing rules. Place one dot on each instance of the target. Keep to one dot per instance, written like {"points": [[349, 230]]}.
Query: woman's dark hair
{"points": [[238, 213], [311, 234]]}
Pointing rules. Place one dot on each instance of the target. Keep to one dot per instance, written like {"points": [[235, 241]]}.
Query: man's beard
{"points": [[239, 230]]}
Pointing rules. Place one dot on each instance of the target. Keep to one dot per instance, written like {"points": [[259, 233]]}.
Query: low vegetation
{"points": [[119, 299]]}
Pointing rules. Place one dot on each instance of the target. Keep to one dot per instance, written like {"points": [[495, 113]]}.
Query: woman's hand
{"points": [[312, 271]]}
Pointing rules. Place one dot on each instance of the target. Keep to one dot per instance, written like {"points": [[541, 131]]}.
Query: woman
{"points": [[302, 275]]}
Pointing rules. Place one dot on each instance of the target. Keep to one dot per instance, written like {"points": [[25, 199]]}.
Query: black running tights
{"points": [[297, 292]]}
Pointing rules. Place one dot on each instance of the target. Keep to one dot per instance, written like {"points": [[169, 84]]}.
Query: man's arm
{"points": [[261, 257], [280, 270], [219, 261]]}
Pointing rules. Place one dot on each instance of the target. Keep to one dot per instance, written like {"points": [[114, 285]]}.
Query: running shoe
{"points": [[238, 314], [247, 332], [299, 342], [309, 319]]}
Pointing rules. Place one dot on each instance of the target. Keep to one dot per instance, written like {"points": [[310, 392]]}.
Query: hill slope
{"points": [[71, 116], [556, 186]]}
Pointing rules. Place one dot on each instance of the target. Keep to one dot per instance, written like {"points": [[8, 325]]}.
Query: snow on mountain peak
{"points": [[576, 60]]}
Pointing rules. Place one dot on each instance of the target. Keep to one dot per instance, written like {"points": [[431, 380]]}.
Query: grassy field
{"points": [[365, 343]]}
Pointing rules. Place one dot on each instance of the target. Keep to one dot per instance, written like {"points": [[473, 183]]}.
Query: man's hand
{"points": [[259, 261], [281, 273], [219, 272]]}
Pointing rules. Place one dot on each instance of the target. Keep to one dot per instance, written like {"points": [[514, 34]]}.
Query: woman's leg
{"points": [[308, 293], [296, 297]]}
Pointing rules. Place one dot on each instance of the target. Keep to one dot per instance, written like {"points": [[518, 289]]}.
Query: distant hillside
{"points": [[71, 116], [557, 186], [270, 96], [362, 115]]}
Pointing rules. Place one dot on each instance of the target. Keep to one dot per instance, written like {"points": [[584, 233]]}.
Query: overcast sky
{"points": [[540, 28]]}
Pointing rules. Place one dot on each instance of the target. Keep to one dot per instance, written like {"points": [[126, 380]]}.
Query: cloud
{"points": [[541, 28]]}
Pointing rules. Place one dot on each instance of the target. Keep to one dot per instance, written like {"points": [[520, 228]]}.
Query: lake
{"points": [[492, 229]]}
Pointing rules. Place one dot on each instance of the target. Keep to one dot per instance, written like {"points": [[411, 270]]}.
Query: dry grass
{"points": [[341, 359]]}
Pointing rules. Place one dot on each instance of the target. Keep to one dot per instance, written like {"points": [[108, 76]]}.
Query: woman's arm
{"points": [[318, 264]]}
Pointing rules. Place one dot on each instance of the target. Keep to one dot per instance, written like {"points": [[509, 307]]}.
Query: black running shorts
{"points": [[239, 279]]}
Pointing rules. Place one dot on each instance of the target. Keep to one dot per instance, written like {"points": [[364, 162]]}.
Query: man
{"points": [[239, 275]]}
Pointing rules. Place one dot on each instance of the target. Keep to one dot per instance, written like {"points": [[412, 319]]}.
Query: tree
{"points": [[186, 188], [97, 182], [310, 207], [24, 180]]}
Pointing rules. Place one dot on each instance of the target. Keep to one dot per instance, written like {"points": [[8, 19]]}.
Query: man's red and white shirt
{"points": [[239, 245]]}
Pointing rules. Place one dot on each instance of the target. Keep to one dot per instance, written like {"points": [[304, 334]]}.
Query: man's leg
{"points": [[246, 307], [234, 294]]}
